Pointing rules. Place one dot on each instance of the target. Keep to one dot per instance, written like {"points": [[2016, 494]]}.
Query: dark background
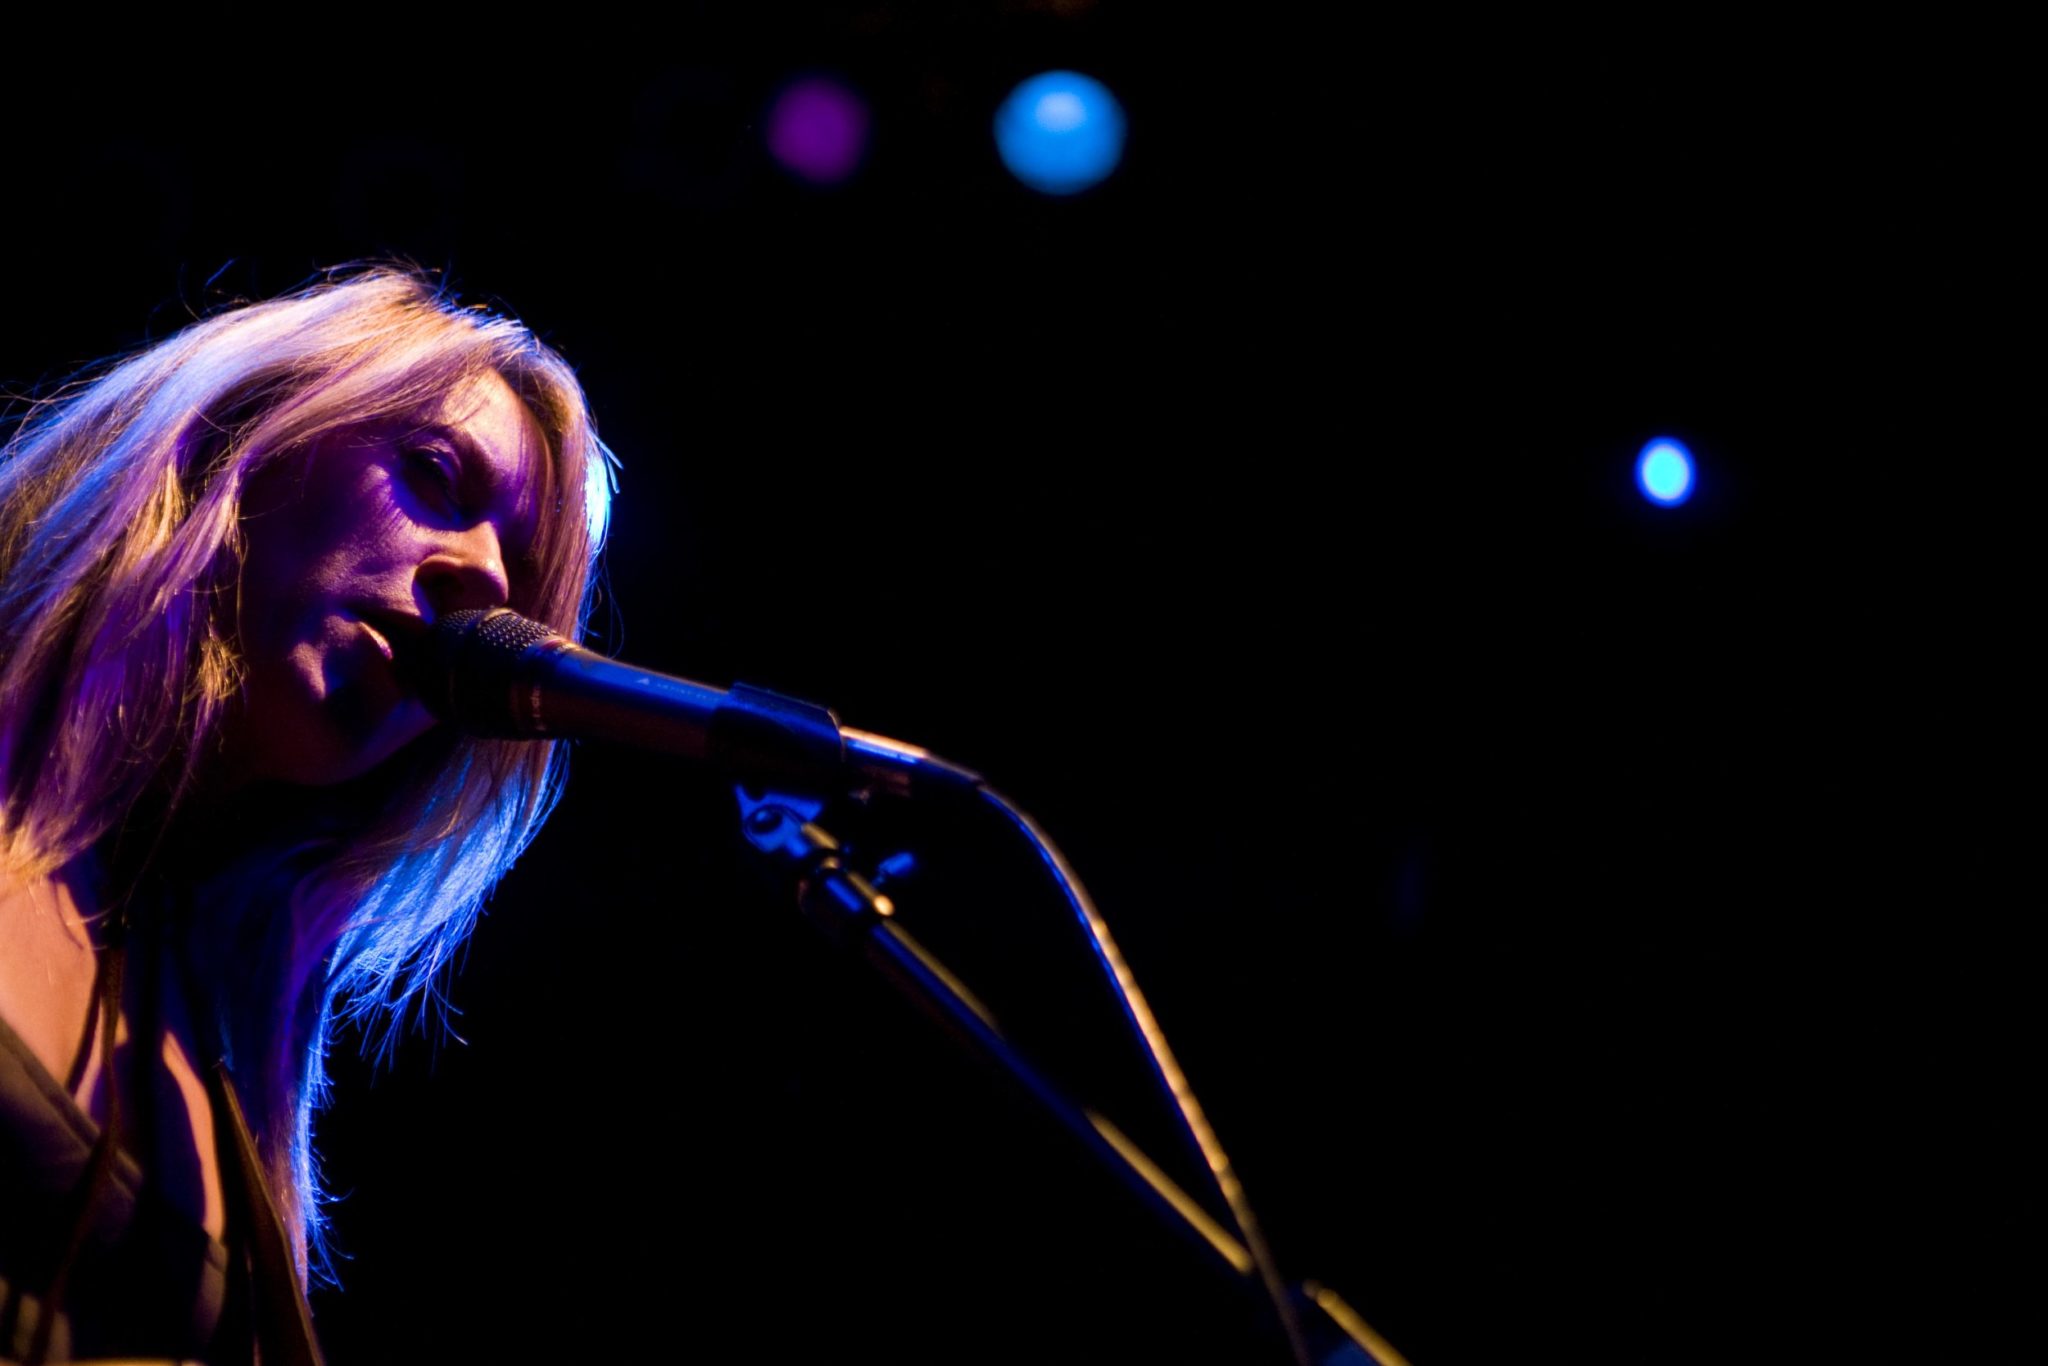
{"points": [[1584, 921]]}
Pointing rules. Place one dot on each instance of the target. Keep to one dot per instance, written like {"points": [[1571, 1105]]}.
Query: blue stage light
{"points": [[1060, 132], [1664, 472]]}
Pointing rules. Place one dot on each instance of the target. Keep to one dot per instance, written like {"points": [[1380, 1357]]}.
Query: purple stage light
{"points": [[817, 129]]}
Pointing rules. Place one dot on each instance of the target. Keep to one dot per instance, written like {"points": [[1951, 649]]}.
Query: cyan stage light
{"points": [[1060, 132], [1664, 472]]}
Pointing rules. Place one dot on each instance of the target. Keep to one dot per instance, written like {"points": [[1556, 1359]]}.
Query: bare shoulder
{"points": [[46, 967]]}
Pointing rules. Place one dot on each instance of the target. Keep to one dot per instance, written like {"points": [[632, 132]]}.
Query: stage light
{"points": [[818, 129], [1060, 132], [1664, 472]]}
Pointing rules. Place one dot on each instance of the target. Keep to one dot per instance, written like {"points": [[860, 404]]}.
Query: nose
{"points": [[465, 570]]}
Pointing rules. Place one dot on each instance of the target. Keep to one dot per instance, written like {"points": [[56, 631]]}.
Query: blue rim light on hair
{"points": [[1664, 472], [1060, 132], [600, 482]]}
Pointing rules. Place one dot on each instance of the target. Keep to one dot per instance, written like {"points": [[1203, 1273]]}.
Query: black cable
{"points": [[1165, 1068]]}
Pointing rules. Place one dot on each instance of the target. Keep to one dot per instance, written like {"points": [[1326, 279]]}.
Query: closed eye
{"points": [[429, 468]]}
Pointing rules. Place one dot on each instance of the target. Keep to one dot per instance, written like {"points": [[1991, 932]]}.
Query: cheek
{"points": [[331, 542], [282, 571]]}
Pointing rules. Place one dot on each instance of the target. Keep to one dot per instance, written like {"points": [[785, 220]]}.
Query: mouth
{"points": [[381, 641], [393, 633], [405, 639]]}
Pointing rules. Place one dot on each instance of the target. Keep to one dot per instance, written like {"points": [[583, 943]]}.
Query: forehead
{"points": [[494, 420]]}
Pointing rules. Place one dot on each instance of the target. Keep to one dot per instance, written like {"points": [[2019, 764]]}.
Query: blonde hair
{"points": [[120, 550]]}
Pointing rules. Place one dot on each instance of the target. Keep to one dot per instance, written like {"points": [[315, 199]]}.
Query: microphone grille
{"points": [[500, 631], [468, 670]]}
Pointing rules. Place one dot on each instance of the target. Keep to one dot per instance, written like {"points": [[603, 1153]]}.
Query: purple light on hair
{"points": [[817, 128]]}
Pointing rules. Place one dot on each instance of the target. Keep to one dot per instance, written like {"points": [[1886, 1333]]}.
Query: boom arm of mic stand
{"points": [[848, 909]]}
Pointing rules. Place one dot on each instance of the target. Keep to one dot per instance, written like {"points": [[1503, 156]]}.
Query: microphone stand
{"points": [[852, 913]]}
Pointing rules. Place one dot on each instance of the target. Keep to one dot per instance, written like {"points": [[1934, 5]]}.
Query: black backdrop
{"points": [[1578, 917]]}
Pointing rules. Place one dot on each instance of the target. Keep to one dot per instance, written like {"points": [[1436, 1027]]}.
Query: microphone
{"points": [[494, 673]]}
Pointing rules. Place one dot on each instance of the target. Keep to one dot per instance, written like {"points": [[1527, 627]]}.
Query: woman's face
{"points": [[371, 534]]}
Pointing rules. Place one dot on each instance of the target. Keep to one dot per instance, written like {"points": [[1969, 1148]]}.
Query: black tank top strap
{"points": [[275, 1305], [100, 1166], [88, 1036]]}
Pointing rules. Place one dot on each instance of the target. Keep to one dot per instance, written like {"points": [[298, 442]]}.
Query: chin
{"points": [[324, 751], [351, 761]]}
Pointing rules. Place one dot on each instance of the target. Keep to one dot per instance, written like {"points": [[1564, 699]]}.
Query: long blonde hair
{"points": [[120, 550]]}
